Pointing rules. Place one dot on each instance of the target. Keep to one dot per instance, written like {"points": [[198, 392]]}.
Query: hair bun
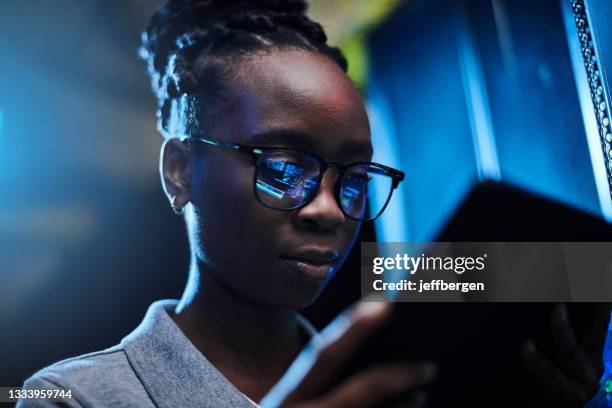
{"points": [[212, 32]]}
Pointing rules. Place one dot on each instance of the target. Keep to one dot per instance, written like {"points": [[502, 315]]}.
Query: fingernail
{"points": [[376, 298], [370, 308]]}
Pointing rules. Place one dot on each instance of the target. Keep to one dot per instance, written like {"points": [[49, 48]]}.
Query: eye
{"points": [[286, 172], [285, 179]]}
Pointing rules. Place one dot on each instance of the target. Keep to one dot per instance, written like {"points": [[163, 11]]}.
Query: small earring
{"points": [[177, 210]]}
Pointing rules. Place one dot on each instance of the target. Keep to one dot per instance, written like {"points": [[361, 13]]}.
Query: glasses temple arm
{"points": [[230, 146]]}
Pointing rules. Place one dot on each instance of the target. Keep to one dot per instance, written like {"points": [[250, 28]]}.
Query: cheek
{"points": [[228, 219], [238, 240]]}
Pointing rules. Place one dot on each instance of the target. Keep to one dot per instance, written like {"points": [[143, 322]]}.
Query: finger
{"points": [[594, 340], [315, 366], [549, 376], [338, 342], [372, 386], [573, 359]]}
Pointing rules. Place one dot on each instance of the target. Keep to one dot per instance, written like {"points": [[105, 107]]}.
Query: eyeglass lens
{"points": [[287, 179]]}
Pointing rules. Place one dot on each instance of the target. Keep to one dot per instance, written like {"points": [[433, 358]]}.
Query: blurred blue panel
{"points": [[393, 224], [600, 13], [540, 135], [1, 125], [477, 100], [415, 67], [472, 90]]}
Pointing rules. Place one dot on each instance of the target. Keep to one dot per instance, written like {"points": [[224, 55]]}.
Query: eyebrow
{"points": [[295, 138]]}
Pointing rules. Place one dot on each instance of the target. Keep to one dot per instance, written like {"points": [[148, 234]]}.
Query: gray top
{"points": [[154, 366]]}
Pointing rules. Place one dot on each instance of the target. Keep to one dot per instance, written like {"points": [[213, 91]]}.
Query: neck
{"points": [[237, 335]]}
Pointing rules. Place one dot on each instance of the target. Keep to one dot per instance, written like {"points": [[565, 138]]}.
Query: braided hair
{"points": [[191, 46]]}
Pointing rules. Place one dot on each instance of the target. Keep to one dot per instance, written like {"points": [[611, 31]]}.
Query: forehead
{"points": [[296, 90]]}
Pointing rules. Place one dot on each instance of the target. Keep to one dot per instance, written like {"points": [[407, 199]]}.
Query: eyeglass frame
{"points": [[257, 152]]}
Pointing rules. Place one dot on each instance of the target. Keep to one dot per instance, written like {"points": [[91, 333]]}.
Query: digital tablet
{"points": [[476, 346]]}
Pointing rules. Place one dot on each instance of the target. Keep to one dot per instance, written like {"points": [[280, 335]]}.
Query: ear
{"points": [[175, 171]]}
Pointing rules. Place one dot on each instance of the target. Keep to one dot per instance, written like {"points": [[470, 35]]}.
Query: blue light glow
{"points": [[268, 189], [477, 102], [392, 226], [419, 120], [489, 95]]}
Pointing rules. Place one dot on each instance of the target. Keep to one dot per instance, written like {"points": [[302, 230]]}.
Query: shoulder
{"points": [[98, 378]]}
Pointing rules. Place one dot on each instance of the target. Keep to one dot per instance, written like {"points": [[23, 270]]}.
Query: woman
{"points": [[267, 227], [260, 121]]}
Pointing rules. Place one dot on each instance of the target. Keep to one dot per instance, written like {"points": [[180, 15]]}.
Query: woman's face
{"points": [[276, 258]]}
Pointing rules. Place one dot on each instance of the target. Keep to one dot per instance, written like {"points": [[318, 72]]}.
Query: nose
{"points": [[322, 212]]}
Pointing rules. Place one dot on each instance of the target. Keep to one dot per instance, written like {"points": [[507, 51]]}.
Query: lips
{"points": [[313, 264]]}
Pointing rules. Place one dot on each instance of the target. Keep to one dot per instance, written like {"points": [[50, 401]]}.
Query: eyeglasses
{"points": [[287, 179]]}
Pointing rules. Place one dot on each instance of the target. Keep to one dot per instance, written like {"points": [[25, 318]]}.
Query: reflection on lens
{"points": [[268, 189], [358, 183], [285, 179]]}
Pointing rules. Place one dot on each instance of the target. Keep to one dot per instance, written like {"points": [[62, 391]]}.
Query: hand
{"points": [[306, 383], [573, 379]]}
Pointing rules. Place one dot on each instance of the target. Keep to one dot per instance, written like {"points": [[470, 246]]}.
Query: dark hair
{"points": [[191, 45]]}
